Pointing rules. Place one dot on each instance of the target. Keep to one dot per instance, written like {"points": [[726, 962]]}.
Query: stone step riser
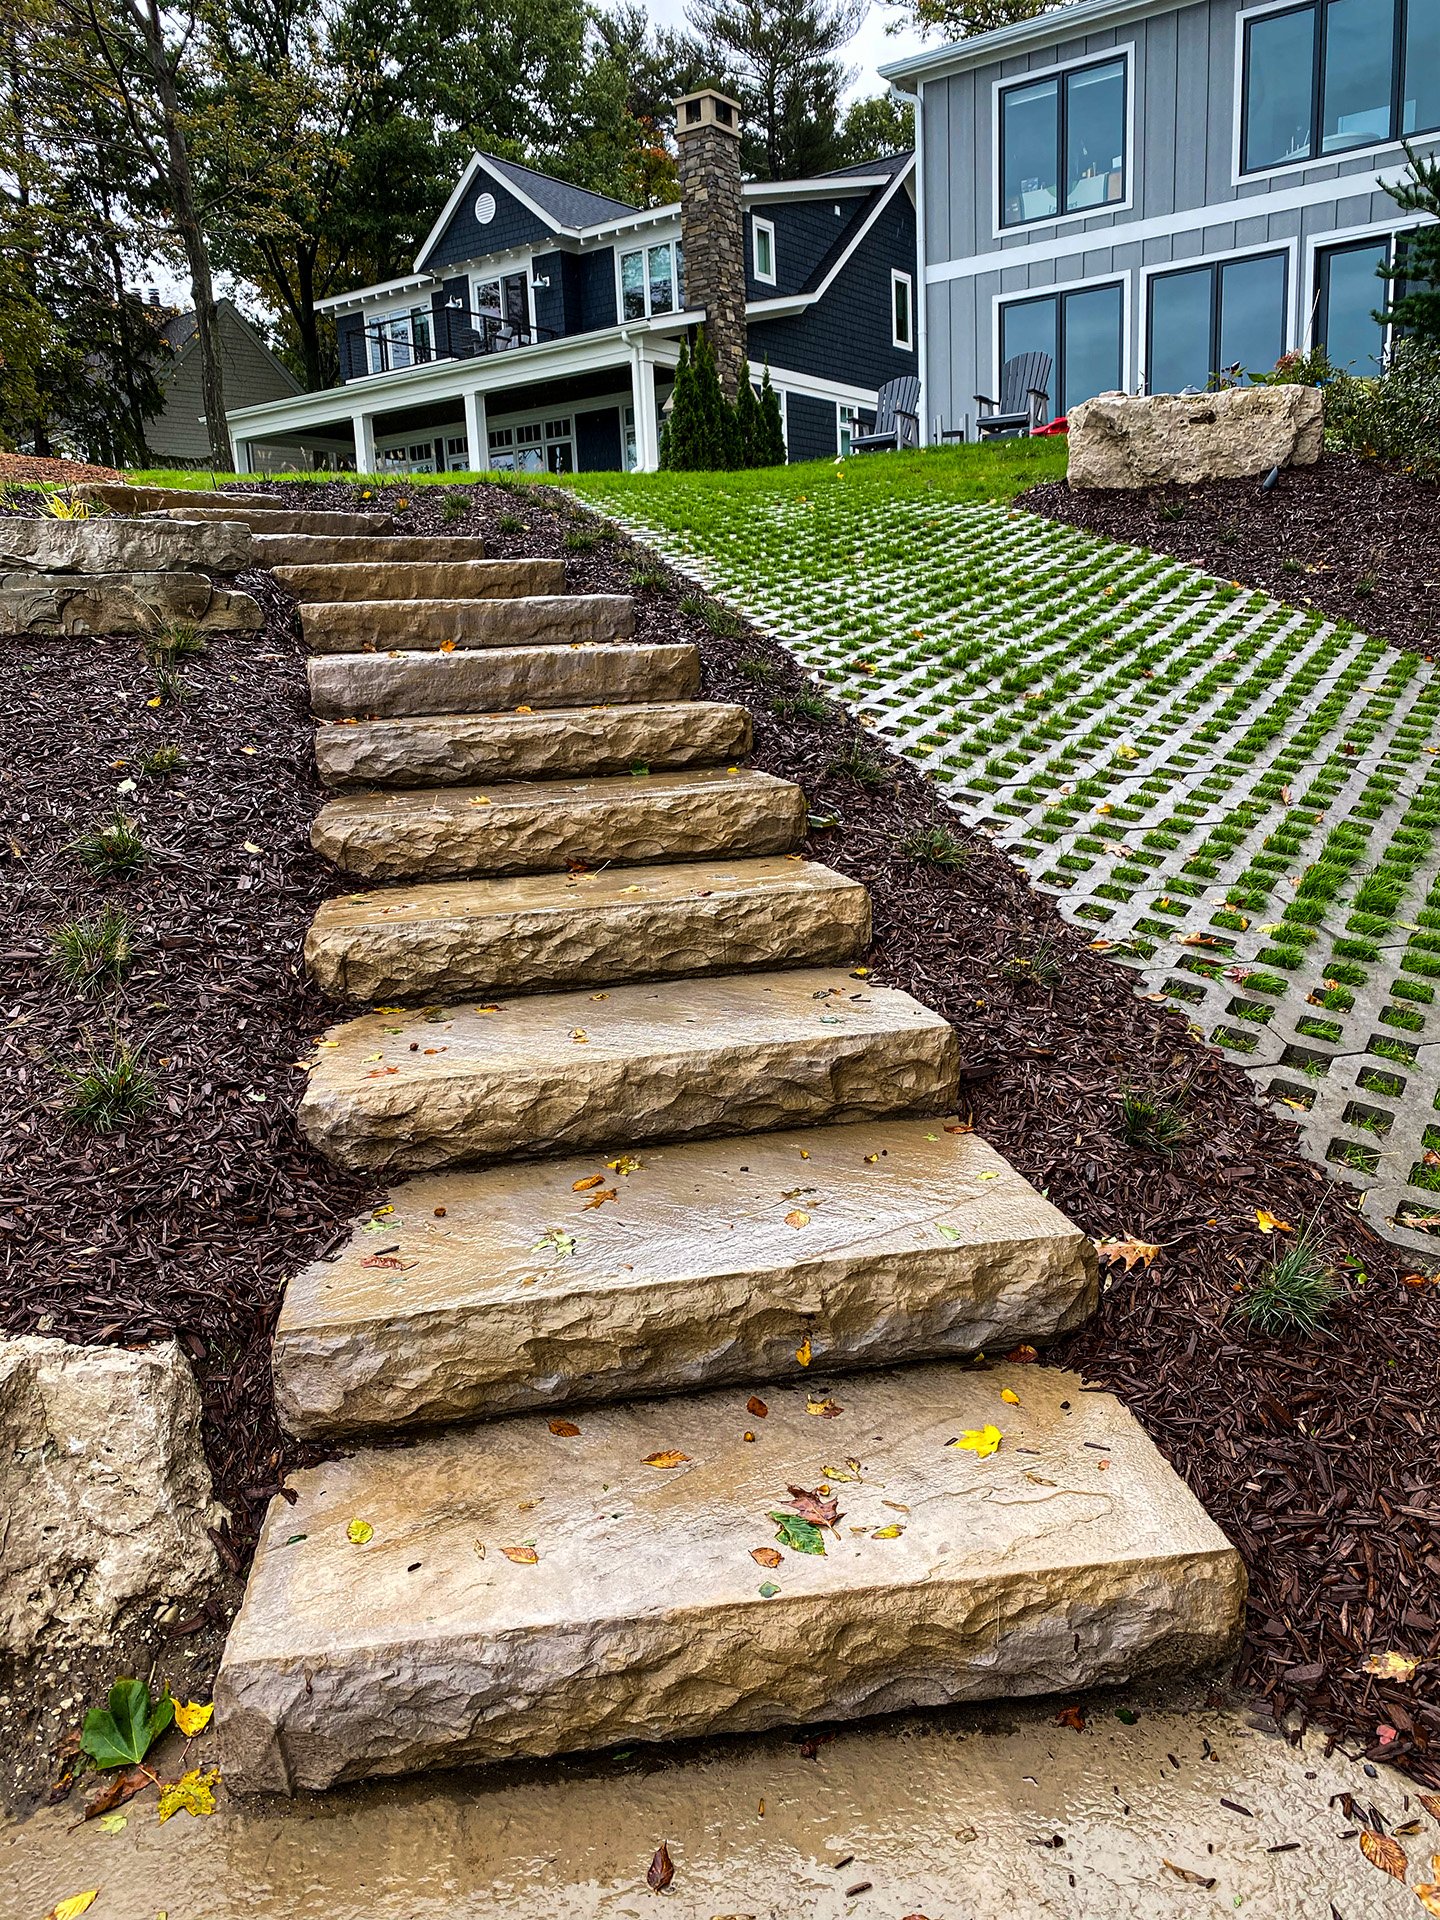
{"points": [[445, 751], [417, 626], [422, 580], [205, 504], [749, 1054], [552, 932], [919, 1241], [543, 826], [402, 686], [522, 1592], [331, 549]]}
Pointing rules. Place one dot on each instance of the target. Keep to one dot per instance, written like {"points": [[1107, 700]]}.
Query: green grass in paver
{"points": [[1175, 757]]}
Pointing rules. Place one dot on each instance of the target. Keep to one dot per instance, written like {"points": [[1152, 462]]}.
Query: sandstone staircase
{"points": [[684, 1171]]}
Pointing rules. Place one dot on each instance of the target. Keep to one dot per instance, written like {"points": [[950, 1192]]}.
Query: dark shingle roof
{"points": [[568, 206], [888, 164]]}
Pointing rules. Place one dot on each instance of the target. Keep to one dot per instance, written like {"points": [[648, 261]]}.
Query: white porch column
{"points": [[477, 436], [364, 426], [240, 451], [647, 426]]}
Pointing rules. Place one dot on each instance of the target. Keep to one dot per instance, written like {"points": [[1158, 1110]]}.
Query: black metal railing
{"points": [[454, 333]]}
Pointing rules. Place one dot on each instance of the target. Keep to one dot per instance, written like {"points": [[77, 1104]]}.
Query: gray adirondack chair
{"points": [[897, 419], [1024, 397]]}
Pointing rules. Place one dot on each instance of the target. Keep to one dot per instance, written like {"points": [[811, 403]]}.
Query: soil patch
{"points": [[1315, 1457], [1357, 540], [30, 467]]}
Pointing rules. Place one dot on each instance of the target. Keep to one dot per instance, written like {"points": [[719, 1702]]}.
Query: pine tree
{"points": [[747, 426], [715, 439], [678, 434], [770, 441], [1414, 280]]}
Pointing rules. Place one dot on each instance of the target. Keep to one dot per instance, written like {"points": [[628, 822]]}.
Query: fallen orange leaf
{"points": [[592, 1180], [1383, 1852], [567, 1429], [522, 1556], [1129, 1253], [766, 1556], [665, 1460], [757, 1406]]}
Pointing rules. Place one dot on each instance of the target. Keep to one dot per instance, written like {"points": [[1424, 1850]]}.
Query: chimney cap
{"points": [[707, 108]]}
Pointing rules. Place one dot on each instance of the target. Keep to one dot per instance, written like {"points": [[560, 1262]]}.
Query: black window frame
{"points": [[1061, 76], [1388, 291], [1216, 270], [1059, 399], [1320, 12]]}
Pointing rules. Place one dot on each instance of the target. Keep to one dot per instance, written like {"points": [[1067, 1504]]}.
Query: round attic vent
{"points": [[485, 209]]}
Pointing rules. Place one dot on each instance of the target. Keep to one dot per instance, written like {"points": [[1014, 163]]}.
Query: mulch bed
{"points": [[61, 473], [1355, 539], [1316, 1457]]}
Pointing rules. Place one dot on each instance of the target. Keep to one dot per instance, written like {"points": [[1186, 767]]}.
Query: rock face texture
{"points": [[124, 546], [104, 1491], [537, 619], [392, 685], [738, 1054], [206, 503], [121, 603], [917, 1240], [534, 826], [446, 750], [628, 1605], [308, 549], [541, 931], [1124, 440], [424, 580]]}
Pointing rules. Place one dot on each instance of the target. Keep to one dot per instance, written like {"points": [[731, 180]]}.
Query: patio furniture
{"points": [[897, 419], [1024, 397]]}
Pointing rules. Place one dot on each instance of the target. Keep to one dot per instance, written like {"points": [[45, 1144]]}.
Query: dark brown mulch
{"points": [[1357, 540], [1315, 1457], [32, 467]]}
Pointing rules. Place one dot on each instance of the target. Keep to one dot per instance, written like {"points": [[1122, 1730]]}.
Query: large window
{"points": [[400, 340], [1062, 144], [1348, 294], [1227, 317], [1332, 75], [650, 281], [1080, 333]]}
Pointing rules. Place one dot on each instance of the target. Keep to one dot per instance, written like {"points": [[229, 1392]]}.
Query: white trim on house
{"points": [[758, 227], [898, 278], [1017, 296], [642, 247], [1319, 243], [809, 383], [1222, 256], [1069, 24], [1004, 83], [837, 187], [362, 296], [922, 315], [477, 162]]}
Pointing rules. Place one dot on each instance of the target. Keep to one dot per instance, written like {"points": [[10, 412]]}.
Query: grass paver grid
{"points": [[1240, 797]]}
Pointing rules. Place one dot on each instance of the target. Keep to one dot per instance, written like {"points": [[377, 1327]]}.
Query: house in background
{"points": [[540, 327], [176, 436], [1151, 191]]}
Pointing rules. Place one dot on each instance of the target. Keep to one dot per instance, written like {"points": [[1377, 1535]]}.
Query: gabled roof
{"points": [[570, 207], [1060, 20], [824, 274], [889, 164]]}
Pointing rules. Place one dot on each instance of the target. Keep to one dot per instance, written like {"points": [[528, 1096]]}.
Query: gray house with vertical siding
{"points": [[1152, 191]]}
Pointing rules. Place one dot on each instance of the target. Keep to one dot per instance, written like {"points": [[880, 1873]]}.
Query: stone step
{"points": [[250, 509], [300, 549], [539, 826], [540, 932], [445, 749], [539, 619], [424, 580], [413, 1092], [499, 679], [524, 1592], [115, 545], [917, 1240]]}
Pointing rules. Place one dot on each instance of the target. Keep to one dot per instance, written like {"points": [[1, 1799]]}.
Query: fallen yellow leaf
{"points": [[359, 1532], [1128, 1252], [522, 1556], [584, 1186], [78, 1903], [1010, 1398], [1428, 1894], [892, 1532], [192, 1793], [1269, 1224], [192, 1718], [666, 1459], [797, 1219], [802, 1352], [1389, 1665], [981, 1441]]}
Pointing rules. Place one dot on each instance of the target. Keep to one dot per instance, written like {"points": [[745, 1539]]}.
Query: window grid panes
{"points": [[650, 281], [1081, 333], [1334, 76], [1062, 144], [1225, 318]]}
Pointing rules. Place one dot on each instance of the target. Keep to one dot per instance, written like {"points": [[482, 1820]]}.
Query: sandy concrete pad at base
{"points": [[747, 1053], [447, 749], [532, 619], [535, 826], [423, 579], [953, 1815], [535, 932], [719, 1260], [527, 1592], [400, 684]]}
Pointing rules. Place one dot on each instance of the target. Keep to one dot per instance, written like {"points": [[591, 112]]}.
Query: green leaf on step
{"points": [[122, 1732], [555, 1240], [947, 1233], [801, 1536], [768, 1590]]}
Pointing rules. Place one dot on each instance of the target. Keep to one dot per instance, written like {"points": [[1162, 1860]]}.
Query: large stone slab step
{"points": [[446, 749], [538, 826], [362, 626], [539, 932], [748, 1053], [113, 545], [684, 1266], [522, 1591], [423, 579], [302, 549], [499, 679], [250, 509]]}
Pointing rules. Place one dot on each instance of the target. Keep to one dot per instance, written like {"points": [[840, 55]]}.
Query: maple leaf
{"points": [[1267, 1222], [192, 1793], [1129, 1253], [1071, 1717], [191, 1717], [812, 1507], [981, 1441]]}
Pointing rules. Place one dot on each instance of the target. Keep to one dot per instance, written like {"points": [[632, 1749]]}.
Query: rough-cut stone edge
{"points": [[535, 619], [408, 686], [1120, 440], [112, 546], [78, 603]]}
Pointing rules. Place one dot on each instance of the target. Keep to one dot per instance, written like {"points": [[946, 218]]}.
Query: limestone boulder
{"points": [[125, 546], [77, 603], [1121, 440], [104, 1490]]}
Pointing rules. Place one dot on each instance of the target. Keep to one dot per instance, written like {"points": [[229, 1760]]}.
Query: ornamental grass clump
{"points": [[1293, 1293], [111, 851], [108, 1091], [94, 952], [1153, 1121]]}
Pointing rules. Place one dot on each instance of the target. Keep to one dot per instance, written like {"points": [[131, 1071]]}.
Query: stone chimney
{"points": [[712, 224]]}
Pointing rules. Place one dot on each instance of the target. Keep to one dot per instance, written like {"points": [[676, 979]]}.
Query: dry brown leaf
{"points": [[812, 1507], [795, 1218], [1071, 1717], [757, 1406], [592, 1180], [122, 1787], [1431, 1803], [1129, 1253], [567, 1429], [667, 1459], [599, 1199], [522, 1556], [1190, 1879], [661, 1870], [766, 1556], [1383, 1852]]}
